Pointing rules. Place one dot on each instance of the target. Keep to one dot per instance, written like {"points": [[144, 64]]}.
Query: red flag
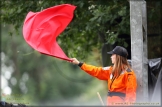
{"points": [[41, 29]]}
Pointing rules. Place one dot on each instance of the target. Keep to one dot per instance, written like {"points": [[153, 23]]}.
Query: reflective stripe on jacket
{"points": [[125, 83]]}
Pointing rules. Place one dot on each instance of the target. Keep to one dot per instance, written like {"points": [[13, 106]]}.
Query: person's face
{"points": [[113, 58]]}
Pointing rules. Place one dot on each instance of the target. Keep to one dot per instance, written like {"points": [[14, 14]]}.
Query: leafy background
{"points": [[35, 79]]}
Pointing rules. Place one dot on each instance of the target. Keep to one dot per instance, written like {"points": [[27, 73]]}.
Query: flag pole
{"points": [[100, 98]]}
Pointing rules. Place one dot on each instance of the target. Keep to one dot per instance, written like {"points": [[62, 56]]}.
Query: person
{"points": [[120, 76]]}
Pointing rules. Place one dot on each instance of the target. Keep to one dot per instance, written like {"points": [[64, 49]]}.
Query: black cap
{"points": [[119, 51]]}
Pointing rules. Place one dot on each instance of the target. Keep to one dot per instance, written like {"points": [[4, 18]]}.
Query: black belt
{"points": [[116, 94]]}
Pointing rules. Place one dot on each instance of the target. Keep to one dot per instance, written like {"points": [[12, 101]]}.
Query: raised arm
{"points": [[101, 73]]}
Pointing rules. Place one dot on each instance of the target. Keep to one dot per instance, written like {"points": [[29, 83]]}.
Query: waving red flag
{"points": [[41, 29]]}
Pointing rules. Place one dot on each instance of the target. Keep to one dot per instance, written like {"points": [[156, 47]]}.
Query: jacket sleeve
{"points": [[131, 88], [101, 73]]}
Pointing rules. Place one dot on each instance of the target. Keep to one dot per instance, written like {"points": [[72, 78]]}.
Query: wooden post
{"points": [[138, 25]]}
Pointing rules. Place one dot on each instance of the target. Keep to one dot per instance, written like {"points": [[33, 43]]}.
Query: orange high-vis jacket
{"points": [[125, 84]]}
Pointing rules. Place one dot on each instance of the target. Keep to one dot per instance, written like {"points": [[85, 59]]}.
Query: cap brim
{"points": [[111, 52]]}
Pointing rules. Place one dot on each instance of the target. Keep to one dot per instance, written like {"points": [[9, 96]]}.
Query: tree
{"points": [[35, 78], [94, 20], [96, 23]]}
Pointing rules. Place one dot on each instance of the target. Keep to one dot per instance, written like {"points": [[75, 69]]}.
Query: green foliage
{"points": [[51, 81], [40, 79], [92, 18]]}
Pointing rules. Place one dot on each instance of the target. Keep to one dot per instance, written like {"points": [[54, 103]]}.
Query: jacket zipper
{"points": [[112, 81]]}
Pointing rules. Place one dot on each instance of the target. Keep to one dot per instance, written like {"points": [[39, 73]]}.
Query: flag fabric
{"points": [[40, 29]]}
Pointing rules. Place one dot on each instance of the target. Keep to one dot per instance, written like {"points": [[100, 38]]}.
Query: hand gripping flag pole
{"points": [[40, 29]]}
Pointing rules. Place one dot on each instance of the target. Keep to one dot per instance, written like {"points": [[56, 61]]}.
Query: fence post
{"points": [[138, 25]]}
